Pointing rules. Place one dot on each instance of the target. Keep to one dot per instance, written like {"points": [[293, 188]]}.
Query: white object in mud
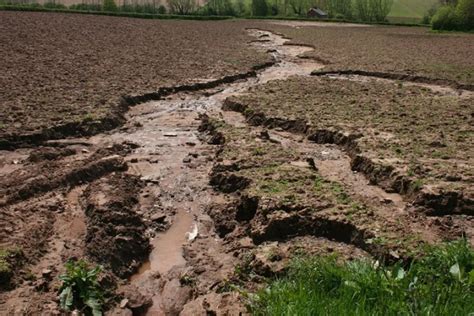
{"points": [[192, 234]]}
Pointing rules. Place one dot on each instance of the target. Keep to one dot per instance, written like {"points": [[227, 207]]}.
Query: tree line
{"points": [[452, 15], [362, 10]]}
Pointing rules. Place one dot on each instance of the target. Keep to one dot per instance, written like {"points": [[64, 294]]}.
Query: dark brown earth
{"points": [[187, 206], [71, 71], [401, 50], [405, 138]]}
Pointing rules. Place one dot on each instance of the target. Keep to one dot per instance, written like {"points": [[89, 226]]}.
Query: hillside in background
{"points": [[411, 8]]}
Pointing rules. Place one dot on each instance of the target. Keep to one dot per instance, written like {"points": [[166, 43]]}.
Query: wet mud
{"points": [[195, 195]]}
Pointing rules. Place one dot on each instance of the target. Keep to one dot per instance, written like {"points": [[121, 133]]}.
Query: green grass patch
{"points": [[9, 261], [439, 283], [411, 8]]}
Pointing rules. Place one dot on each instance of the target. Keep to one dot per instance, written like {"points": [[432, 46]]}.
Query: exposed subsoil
{"points": [[187, 205]]}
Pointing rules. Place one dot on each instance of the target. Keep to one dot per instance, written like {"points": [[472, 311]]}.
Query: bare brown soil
{"points": [[189, 203], [399, 50], [66, 75], [404, 137]]}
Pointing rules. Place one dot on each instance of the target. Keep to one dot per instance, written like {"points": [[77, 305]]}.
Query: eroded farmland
{"points": [[232, 153]]}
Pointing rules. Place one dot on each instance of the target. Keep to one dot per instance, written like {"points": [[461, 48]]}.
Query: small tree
{"points": [[109, 5], [379, 9], [362, 10], [259, 7], [339, 8], [182, 7], [299, 7], [444, 19], [465, 14], [161, 9], [241, 8]]}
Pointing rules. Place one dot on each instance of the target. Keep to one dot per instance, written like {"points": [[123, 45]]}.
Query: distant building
{"points": [[317, 13]]}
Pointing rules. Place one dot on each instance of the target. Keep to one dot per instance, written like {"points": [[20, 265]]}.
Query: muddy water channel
{"points": [[175, 164]]}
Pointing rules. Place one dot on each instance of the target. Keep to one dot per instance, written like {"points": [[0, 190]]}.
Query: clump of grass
{"points": [[8, 262], [80, 289], [439, 283]]}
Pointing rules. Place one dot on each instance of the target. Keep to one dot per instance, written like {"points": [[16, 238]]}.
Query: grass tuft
{"points": [[439, 283]]}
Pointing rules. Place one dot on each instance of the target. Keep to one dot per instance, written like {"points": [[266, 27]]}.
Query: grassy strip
{"points": [[439, 283], [119, 14], [189, 17]]}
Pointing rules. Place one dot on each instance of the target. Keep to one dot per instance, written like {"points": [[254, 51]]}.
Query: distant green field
{"points": [[411, 8]]}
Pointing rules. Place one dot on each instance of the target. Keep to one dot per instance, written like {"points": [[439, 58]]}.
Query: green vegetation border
{"points": [[119, 14], [193, 17]]}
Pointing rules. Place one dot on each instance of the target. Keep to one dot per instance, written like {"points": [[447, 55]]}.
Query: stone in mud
{"points": [[228, 182], [174, 297], [158, 218], [217, 139], [311, 163], [264, 135], [246, 208], [134, 300], [224, 218], [215, 304]]}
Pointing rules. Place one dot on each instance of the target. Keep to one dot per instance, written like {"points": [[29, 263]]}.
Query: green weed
{"points": [[80, 289], [274, 187], [416, 185], [259, 151]]}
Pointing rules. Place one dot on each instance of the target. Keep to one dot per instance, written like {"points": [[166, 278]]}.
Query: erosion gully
{"points": [[171, 155], [175, 164]]}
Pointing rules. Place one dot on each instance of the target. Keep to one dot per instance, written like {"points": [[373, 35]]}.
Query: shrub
{"points": [[440, 283], [444, 19], [161, 9], [429, 15], [259, 7], [80, 289], [465, 14], [110, 6], [9, 261]]}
